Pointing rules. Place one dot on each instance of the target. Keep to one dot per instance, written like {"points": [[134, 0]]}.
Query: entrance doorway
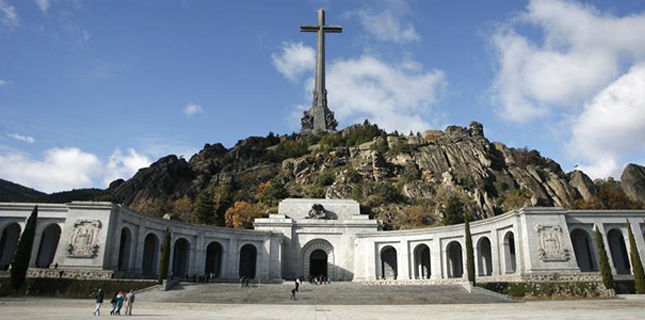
{"points": [[318, 263]]}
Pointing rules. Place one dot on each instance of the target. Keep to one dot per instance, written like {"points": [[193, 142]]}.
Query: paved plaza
{"points": [[51, 309]]}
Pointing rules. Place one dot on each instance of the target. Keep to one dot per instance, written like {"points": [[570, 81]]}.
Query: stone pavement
{"points": [[59, 309], [338, 293]]}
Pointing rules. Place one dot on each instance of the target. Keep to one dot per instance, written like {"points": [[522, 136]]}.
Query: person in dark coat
{"points": [[297, 284], [99, 300], [113, 302]]}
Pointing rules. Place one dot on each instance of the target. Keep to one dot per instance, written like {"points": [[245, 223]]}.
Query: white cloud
{"points": [[18, 137], [60, 169], [192, 109], [4, 82], [124, 165], [580, 53], [294, 60], [385, 23], [395, 96], [611, 129], [9, 17]]}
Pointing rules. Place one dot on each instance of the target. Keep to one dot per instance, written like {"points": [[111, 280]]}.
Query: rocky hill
{"points": [[13, 192], [407, 180]]}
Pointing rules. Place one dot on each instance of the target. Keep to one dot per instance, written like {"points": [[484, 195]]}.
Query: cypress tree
{"points": [[165, 256], [204, 209], [637, 265], [605, 268], [470, 261], [20, 261]]}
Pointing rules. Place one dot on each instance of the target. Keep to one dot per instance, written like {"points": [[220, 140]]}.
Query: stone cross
{"points": [[319, 117]]}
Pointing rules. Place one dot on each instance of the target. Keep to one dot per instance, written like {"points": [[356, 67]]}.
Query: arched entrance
{"points": [[150, 254], [48, 244], [8, 243], [318, 259], [484, 257], [124, 249], [619, 251], [180, 257], [389, 267], [455, 260], [248, 260], [582, 247], [422, 262], [510, 262], [213, 259]]}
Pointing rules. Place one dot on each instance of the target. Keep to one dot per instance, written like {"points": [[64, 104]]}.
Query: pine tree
{"points": [[20, 261], [204, 208], [605, 268], [165, 256], [470, 257], [637, 265]]}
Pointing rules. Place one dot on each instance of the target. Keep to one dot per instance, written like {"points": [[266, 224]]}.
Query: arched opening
{"points": [[484, 257], [389, 267], [213, 259], [619, 252], [510, 262], [318, 263], [8, 243], [150, 254], [124, 249], [422, 262], [455, 260], [48, 244], [180, 257], [248, 259], [582, 247]]}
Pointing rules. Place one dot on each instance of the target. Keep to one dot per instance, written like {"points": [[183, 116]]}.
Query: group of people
{"points": [[318, 280], [117, 302]]}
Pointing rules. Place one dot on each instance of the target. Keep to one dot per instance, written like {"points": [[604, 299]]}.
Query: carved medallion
{"points": [[550, 245], [83, 241]]}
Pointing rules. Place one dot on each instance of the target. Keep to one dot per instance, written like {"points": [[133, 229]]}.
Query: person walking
{"points": [[113, 302], [129, 301], [119, 302], [297, 284], [99, 300], [293, 295]]}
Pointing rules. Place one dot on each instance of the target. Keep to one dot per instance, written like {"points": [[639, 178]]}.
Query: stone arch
{"points": [[510, 256], [318, 245], [484, 257], [8, 242], [389, 264], [214, 259], [422, 269], [455, 260], [583, 248], [150, 254], [248, 261], [125, 245], [180, 257], [48, 244], [618, 250]]}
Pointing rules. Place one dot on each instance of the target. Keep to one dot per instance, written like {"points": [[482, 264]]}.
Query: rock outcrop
{"points": [[632, 181]]}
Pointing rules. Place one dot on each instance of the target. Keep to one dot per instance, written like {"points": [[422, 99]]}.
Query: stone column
{"points": [[403, 257], [200, 255], [435, 259], [233, 259], [140, 243]]}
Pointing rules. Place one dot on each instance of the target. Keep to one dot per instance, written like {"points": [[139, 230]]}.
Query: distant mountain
{"points": [[13, 192]]}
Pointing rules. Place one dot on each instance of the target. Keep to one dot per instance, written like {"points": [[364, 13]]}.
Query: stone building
{"points": [[309, 237]]}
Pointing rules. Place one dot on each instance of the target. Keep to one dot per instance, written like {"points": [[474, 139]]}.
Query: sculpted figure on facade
{"points": [[550, 244], [319, 212], [83, 241]]}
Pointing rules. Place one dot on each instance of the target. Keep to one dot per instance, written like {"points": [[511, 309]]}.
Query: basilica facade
{"points": [[312, 237]]}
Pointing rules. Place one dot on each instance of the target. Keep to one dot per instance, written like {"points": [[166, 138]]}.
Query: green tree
{"points": [[204, 208], [637, 265], [165, 256], [272, 193], [605, 268], [453, 211], [20, 261], [470, 257]]}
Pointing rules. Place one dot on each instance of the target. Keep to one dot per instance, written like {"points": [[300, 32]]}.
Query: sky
{"points": [[91, 91]]}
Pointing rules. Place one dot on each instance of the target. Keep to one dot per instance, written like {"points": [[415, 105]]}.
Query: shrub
{"points": [[605, 268], [637, 265], [324, 179], [470, 257], [272, 192], [204, 209], [388, 193], [315, 192], [165, 256], [20, 261], [241, 215], [352, 176], [453, 211]]}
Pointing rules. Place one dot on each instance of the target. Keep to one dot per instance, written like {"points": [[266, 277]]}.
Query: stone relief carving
{"points": [[550, 245], [83, 240], [317, 211]]}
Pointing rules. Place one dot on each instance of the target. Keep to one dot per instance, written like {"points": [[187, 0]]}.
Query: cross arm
{"points": [[333, 29], [309, 28]]}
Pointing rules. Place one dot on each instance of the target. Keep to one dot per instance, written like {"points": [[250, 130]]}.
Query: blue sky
{"points": [[92, 90]]}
